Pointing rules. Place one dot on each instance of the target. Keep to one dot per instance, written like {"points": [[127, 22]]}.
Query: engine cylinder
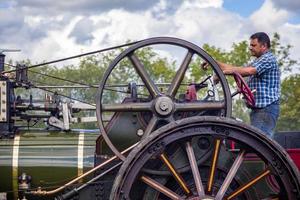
{"points": [[50, 158]]}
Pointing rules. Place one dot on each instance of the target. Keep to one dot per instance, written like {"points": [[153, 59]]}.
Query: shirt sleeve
{"points": [[262, 65]]}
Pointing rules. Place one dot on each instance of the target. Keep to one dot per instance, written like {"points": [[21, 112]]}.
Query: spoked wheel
{"points": [[244, 89], [257, 169], [162, 105]]}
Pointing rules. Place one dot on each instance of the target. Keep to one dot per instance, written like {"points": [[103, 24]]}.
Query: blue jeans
{"points": [[265, 118]]}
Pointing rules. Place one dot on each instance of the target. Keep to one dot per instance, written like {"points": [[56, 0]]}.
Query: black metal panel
{"points": [[288, 139], [6, 123]]}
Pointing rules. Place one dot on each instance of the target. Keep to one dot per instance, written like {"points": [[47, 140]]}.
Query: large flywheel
{"points": [[171, 164], [160, 105]]}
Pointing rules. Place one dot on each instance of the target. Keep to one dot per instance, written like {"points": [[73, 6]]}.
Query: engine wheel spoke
{"points": [[170, 154], [180, 74], [271, 198], [151, 125], [213, 166], [195, 170], [127, 107], [176, 175], [159, 187], [140, 68], [235, 166], [196, 106], [249, 184]]}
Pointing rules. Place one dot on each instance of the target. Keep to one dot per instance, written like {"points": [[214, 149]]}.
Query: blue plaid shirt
{"points": [[266, 81]]}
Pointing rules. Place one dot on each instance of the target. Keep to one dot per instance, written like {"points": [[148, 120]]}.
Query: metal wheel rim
{"points": [[277, 158], [153, 41]]}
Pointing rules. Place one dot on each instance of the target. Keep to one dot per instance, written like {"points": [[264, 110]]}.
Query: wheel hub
{"points": [[164, 106]]}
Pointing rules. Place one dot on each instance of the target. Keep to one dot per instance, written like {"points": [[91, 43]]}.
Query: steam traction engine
{"points": [[158, 141]]}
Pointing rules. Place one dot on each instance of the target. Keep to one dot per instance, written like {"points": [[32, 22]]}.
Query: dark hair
{"points": [[262, 38]]}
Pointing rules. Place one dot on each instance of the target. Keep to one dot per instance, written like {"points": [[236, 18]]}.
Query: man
{"points": [[264, 77]]}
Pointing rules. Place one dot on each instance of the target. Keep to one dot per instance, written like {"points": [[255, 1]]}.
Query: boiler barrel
{"points": [[50, 158]]}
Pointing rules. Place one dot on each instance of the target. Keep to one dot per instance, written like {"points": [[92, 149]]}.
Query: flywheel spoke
{"points": [[249, 184], [271, 198], [213, 166], [176, 175], [127, 107], [140, 68], [195, 170], [199, 106], [151, 125], [159, 187], [232, 172], [180, 74]]}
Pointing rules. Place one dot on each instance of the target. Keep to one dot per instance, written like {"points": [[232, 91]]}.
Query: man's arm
{"points": [[244, 71]]}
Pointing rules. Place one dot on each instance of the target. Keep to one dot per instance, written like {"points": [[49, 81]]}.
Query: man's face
{"points": [[256, 48]]}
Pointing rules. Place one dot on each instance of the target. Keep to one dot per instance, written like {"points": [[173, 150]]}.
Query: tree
{"points": [[239, 55], [283, 54], [90, 71], [289, 119]]}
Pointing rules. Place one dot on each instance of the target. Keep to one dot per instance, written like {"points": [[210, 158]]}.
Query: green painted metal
{"points": [[51, 158], [122, 131]]}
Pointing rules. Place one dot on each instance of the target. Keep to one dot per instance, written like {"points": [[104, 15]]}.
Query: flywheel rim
{"points": [[192, 48]]}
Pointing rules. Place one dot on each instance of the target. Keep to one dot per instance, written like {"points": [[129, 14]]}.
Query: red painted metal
{"points": [[191, 93], [244, 89], [295, 155]]}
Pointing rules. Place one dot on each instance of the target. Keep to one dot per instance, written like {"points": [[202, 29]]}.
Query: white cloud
{"points": [[290, 35], [269, 18], [290, 5], [192, 20], [80, 6], [209, 25], [202, 3], [47, 37], [82, 31]]}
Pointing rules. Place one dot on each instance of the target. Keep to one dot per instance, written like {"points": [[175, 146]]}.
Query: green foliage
{"points": [[239, 55], [282, 53], [289, 119], [90, 71]]}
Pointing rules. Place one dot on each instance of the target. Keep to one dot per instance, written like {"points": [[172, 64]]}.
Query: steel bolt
{"points": [[163, 106], [140, 132]]}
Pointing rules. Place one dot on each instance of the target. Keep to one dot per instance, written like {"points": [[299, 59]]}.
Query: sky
{"points": [[44, 30]]}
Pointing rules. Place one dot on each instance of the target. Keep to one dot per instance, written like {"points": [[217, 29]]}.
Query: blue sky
{"points": [[45, 30], [243, 8], [246, 8], [295, 19]]}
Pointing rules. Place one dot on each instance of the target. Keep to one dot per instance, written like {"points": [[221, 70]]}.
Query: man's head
{"points": [[259, 44]]}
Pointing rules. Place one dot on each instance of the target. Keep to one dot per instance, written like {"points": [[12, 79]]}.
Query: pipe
{"points": [[41, 192]]}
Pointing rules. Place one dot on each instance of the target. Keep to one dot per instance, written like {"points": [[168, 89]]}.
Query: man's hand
{"points": [[204, 65], [228, 71], [9, 75], [216, 79]]}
